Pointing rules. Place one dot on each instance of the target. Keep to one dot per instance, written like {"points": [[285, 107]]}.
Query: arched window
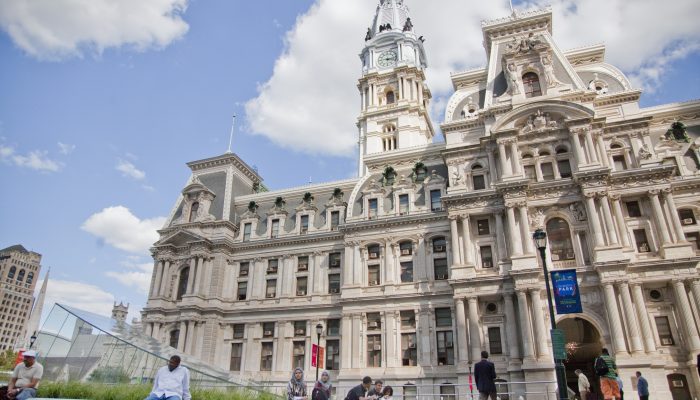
{"points": [[531, 83], [562, 150], [559, 237], [193, 211], [11, 274], [478, 177], [182, 283], [30, 278], [174, 337], [390, 98], [20, 276]]}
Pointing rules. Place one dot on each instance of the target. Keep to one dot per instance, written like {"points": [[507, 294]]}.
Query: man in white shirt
{"points": [[584, 387], [25, 378], [172, 382]]}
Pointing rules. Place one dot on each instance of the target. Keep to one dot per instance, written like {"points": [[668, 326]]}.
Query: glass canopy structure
{"points": [[76, 345]]}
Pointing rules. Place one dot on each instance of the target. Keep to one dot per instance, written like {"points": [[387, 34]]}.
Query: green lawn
{"points": [[79, 390]]}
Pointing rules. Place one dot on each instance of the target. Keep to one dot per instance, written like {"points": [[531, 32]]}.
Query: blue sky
{"points": [[101, 121]]}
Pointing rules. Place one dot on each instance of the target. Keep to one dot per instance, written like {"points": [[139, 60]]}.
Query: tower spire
{"points": [[35, 316]]}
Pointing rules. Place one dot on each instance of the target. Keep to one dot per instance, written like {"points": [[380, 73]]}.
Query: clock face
{"points": [[387, 59]]}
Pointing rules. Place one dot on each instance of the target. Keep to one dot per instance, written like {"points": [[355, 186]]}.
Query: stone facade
{"points": [[427, 258], [19, 271]]}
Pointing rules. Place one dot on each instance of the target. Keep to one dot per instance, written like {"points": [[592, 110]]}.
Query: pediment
{"points": [[180, 238], [541, 115]]}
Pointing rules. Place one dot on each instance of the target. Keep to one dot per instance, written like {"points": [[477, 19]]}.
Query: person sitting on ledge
{"points": [[172, 382], [25, 378]]}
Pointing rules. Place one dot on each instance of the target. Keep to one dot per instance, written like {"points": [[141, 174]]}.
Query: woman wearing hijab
{"points": [[296, 388], [322, 388]]}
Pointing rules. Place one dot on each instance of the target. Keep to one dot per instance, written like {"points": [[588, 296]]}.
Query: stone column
{"points": [[500, 236], [621, 224], [659, 216], [643, 317], [513, 236], [350, 264], [198, 277], [181, 336], [609, 223], [191, 276], [673, 213], [474, 336], [156, 330], [631, 318], [511, 327], [515, 158], [462, 351], [164, 279], [524, 314], [466, 235], [155, 285], [505, 171], [578, 151], [695, 287], [455, 240], [389, 262], [618, 337], [595, 221], [528, 244], [591, 147], [601, 148], [683, 307], [191, 328], [346, 352], [540, 324], [492, 166]]}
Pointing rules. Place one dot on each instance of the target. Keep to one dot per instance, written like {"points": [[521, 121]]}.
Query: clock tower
{"points": [[394, 97]]}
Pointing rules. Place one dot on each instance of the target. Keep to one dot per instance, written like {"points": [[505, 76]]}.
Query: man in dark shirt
{"points": [[376, 391], [485, 374], [359, 392]]}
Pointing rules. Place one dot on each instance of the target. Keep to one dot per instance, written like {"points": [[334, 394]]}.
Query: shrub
{"points": [[80, 390]]}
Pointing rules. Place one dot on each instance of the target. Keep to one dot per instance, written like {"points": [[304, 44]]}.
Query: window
{"points": [[304, 222], [407, 271], [303, 263], [479, 182], [495, 346], [193, 211], [663, 326], [299, 353], [11, 274], [236, 354], [246, 232], [547, 171], [333, 355], [447, 391], [482, 227], [633, 209], [559, 237], [390, 98], [242, 290], [443, 317], [373, 252], [266, 357], [564, 168], [374, 350], [238, 331], [333, 327], [440, 268], [410, 392], [333, 283], [694, 239], [435, 202], [271, 290], [671, 161], [530, 173], [584, 248], [275, 229], [374, 321], [439, 244], [30, 278], [486, 257], [687, 217], [20, 276], [268, 329], [182, 283], [640, 239], [272, 266], [373, 208], [619, 163], [299, 328], [334, 260], [445, 348], [174, 338], [373, 275], [301, 286], [408, 319], [244, 268], [403, 204], [409, 352], [531, 84], [691, 160], [335, 220], [406, 248]]}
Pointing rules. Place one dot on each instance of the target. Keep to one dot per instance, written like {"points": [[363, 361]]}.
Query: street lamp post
{"points": [[319, 330], [540, 238], [32, 339]]}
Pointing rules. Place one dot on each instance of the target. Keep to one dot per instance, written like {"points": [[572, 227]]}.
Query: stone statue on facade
{"points": [[549, 70], [577, 211], [408, 26], [539, 122], [368, 36], [511, 72], [644, 152], [524, 45]]}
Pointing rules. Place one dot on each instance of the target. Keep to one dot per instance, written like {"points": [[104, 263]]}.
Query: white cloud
{"points": [[36, 159], [139, 280], [129, 170], [79, 295], [56, 29], [310, 102], [65, 149], [118, 227]]}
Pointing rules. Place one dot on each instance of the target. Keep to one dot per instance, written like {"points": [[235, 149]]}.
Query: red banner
{"points": [[319, 352], [314, 354]]}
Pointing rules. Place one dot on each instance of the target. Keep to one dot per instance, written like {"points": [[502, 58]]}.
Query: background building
{"points": [[427, 258], [19, 271]]}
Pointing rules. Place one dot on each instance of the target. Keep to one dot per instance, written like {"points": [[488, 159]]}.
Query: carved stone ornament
{"points": [[644, 152], [578, 211], [548, 67], [525, 44], [456, 177], [539, 122], [537, 218], [511, 72]]}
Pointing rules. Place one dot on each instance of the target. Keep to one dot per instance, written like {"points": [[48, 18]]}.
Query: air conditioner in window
{"points": [[373, 255], [271, 270], [335, 290], [437, 209], [411, 345], [487, 264], [301, 292], [439, 249], [374, 283], [241, 297], [377, 347], [688, 221], [666, 341], [244, 272], [405, 252], [270, 295], [303, 267], [335, 264], [298, 352], [373, 325], [268, 333], [299, 332], [442, 276]]}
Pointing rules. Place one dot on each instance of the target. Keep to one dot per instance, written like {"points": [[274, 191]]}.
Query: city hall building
{"points": [[427, 258]]}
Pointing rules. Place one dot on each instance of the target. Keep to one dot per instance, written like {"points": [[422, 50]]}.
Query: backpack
{"points": [[601, 367]]}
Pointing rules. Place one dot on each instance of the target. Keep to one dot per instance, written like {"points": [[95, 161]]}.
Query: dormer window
{"points": [[373, 208], [304, 224], [531, 84], [435, 200], [335, 220], [403, 204], [390, 98], [246, 231], [275, 228], [193, 211]]}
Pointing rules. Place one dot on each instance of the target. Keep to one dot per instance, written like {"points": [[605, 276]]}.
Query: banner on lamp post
{"points": [[567, 296], [317, 353]]}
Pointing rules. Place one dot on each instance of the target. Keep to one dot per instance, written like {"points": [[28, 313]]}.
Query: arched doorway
{"points": [[583, 345]]}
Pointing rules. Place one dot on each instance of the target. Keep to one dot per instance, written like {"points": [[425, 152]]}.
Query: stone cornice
{"points": [[288, 241], [628, 96], [226, 159], [392, 221]]}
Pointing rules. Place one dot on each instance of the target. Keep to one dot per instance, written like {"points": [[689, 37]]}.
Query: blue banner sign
{"points": [[566, 293]]}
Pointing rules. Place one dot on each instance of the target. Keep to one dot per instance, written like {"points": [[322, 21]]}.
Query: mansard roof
{"points": [[17, 247]]}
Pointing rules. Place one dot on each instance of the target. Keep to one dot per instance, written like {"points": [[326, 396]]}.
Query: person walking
{"points": [[359, 392], [322, 388], [584, 387], [642, 387], [25, 377], [172, 382], [296, 388], [485, 374], [619, 385], [376, 390], [606, 369]]}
